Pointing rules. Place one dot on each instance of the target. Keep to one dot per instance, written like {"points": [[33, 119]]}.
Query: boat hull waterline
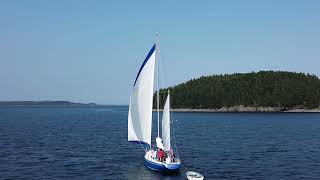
{"points": [[153, 164], [161, 167]]}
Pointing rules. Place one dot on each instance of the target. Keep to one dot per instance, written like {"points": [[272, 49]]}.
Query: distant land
{"points": [[44, 103], [263, 91]]}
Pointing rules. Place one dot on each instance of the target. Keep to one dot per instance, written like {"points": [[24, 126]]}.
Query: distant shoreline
{"points": [[245, 109], [44, 103], [239, 108]]}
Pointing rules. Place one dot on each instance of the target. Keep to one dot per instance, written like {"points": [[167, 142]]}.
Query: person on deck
{"points": [[160, 155]]}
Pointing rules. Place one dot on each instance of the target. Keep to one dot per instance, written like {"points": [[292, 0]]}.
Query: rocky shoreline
{"points": [[242, 108]]}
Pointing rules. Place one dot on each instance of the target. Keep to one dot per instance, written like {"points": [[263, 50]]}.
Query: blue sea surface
{"points": [[59, 142]]}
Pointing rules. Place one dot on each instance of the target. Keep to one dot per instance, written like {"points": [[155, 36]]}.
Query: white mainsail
{"points": [[140, 108], [166, 124]]}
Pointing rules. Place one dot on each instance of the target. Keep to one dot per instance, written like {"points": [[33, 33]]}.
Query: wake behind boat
{"points": [[161, 157]]}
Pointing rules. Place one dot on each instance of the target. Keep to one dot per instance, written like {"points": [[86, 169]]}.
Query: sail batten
{"points": [[140, 107], [166, 125]]}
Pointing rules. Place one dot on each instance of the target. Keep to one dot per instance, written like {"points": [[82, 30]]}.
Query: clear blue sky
{"points": [[90, 51]]}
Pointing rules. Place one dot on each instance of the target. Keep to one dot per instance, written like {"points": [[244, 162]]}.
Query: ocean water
{"points": [[91, 143]]}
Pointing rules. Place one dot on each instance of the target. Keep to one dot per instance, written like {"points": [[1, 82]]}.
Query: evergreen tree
{"points": [[264, 88]]}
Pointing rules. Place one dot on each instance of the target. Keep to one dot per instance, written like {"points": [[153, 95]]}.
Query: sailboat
{"points": [[161, 156]]}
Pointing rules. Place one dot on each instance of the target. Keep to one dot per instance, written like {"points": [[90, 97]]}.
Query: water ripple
{"points": [[91, 143]]}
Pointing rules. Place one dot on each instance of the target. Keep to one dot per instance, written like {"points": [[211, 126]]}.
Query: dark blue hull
{"points": [[160, 167]]}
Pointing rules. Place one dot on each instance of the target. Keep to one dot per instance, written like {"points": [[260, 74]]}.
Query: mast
{"points": [[157, 61]]}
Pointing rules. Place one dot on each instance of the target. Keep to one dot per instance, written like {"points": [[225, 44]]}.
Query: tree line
{"points": [[256, 89]]}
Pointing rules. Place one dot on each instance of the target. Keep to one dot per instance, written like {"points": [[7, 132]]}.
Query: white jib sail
{"points": [[140, 108], [166, 125]]}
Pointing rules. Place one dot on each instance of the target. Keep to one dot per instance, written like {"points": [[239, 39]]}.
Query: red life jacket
{"points": [[160, 154]]}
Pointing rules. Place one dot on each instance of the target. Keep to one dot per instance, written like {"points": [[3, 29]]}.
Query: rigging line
{"points": [[163, 80], [145, 149], [174, 136], [157, 60]]}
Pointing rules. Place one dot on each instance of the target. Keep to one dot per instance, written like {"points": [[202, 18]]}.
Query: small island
{"points": [[263, 91], [43, 103]]}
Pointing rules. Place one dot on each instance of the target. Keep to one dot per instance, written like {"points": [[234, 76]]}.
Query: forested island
{"points": [[255, 91], [43, 103]]}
